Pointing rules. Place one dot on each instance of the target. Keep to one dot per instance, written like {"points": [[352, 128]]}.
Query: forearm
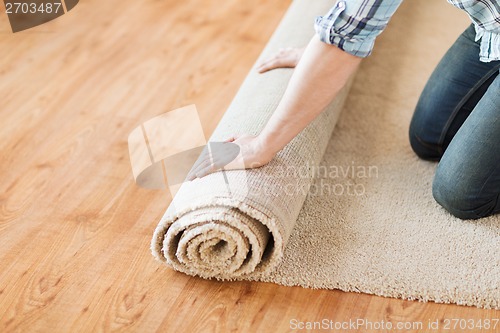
{"points": [[321, 73]]}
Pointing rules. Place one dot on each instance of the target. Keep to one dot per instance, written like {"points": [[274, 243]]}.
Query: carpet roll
{"points": [[367, 221], [235, 224]]}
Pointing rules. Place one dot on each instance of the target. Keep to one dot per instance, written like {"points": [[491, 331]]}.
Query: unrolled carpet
{"points": [[352, 210]]}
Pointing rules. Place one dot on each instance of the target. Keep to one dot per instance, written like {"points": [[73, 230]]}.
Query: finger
{"points": [[266, 60], [197, 168], [231, 138], [273, 58], [277, 63], [260, 63], [272, 64], [264, 63], [201, 162], [263, 69], [206, 171], [225, 158]]}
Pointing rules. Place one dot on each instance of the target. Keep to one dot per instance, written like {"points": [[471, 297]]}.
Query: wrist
{"points": [[267, 147]]}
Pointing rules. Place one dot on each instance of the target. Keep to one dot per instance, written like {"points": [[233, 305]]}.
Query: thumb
{"points": [[231, 138]]}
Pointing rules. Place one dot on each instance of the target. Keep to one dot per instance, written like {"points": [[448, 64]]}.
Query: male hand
{"points": [[284, 58], [237, 152]]}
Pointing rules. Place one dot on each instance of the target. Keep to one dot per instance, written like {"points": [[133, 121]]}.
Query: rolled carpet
{"points": [[369, 222], [236, 224]]}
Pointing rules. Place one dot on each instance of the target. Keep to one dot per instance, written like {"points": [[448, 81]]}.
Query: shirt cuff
{"points": [[327, 33], [489, 45]]}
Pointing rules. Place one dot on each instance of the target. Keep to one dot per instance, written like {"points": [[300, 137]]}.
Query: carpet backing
{"points": [[352, 210]]}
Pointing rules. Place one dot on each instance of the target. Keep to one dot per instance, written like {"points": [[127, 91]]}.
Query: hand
{"points": [[285, 58], [243, 152]]}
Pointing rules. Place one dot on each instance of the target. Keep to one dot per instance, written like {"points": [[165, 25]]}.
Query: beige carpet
{"points": [[369, 223]]}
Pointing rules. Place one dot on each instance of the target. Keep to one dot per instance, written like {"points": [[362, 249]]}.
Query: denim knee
{"points": [[455, 198], [424, 150]]}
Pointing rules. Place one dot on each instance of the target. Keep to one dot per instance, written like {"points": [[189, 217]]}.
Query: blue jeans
{"points": [[457, 122]]}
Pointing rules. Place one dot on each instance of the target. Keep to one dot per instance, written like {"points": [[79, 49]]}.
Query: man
{"points": [[457, 118]]}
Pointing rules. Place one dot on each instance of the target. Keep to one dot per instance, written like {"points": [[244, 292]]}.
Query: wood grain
{"points": [[75, 229]]}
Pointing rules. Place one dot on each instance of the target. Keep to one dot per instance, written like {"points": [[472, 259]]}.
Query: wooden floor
{"points": [[75, 229]]}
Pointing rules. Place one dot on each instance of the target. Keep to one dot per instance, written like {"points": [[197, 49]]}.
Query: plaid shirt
{"points": [[353, 25]]}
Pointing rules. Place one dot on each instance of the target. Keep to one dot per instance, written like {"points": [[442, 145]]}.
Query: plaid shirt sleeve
{"points": [[485, 15], [353, 25]]}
